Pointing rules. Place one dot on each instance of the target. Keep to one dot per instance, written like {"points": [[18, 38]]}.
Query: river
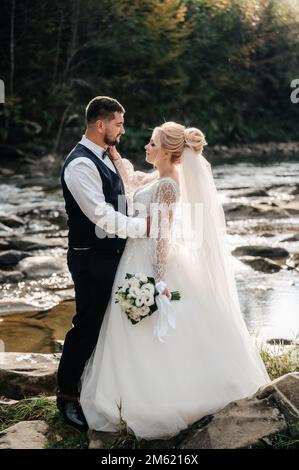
{"points": [[261, 202]]}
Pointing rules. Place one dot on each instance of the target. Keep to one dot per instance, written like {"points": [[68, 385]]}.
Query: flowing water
{"points": [[35, 312]]}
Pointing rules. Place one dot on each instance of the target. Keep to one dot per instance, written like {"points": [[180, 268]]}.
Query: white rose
{"points": [[144, 311], [139, 301], [134, 282], [142, 277], [134, 313], [150, 300], [135, 291], [148, 287], [125, 304]]}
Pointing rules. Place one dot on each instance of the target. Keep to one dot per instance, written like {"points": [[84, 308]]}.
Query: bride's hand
{"points": [[113, 154], [167, 293]]}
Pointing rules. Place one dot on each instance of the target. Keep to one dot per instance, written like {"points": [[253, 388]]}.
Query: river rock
{"points": [[27, 374], [4, 244], [6, 172], [285, 392], [11, 276], [5, 230], [236, 211], [12, 221], [293, 261], [11, 258], [36, 243], [264, 251], [41, 266], [241, 424], [293, 238], [251, 192], [261, 264], [25, 435]]}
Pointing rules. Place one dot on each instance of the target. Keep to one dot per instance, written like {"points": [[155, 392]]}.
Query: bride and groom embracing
{"points": [[112, 370]]}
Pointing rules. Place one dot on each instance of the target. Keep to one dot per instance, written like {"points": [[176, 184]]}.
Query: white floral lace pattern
{"points": [[164, 198], [133, 179]]}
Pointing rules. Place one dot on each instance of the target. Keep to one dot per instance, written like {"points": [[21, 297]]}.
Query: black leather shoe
{"points": [[72, 412]]}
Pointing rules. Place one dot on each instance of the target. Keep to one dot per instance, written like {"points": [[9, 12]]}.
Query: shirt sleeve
{"points": [[84, 182]]}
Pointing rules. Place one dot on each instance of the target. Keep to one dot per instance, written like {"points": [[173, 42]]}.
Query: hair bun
{"points": [[195, 139]]}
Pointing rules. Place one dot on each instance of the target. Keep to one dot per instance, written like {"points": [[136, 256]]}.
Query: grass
{"points": [[63, 436], [281, 362], [60, 435]]}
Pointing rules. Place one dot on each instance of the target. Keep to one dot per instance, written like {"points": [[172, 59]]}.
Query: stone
{"points": [[11, 221], [36, 243], [25, 375], [101, 439], [11, 258], [42, 266], [241, 424], [260, 264], [4, 244], [25, 435], [251, 192], [293, 238], [237, 211], [263, 251], [285, 390], [293, 261], [11, 276]]}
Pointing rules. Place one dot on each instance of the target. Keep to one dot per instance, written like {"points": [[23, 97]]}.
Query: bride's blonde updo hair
{"points": [[175, 138]]}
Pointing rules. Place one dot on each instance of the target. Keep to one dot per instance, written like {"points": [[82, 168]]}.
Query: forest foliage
{"points": [[223, 65]]}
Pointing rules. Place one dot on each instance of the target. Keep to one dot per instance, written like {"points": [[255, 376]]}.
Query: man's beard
{"points": [[110, 141]]}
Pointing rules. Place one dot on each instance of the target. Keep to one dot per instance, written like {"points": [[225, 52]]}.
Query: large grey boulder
{"points": [[285, 392], [25, 435], [261, 264], [36, 267], [27, 374], [241, 424], [11, 258], [260, 250], [36, 243]]}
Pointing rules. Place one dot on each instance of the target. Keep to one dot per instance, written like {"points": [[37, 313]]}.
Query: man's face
{"points": [[114, 129]]}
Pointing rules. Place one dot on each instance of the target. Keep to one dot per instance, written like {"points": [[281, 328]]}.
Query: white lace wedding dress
{"points": [[157, 389]]}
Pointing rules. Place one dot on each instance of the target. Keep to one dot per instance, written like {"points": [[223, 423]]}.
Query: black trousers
{"points": [[93, 272]]}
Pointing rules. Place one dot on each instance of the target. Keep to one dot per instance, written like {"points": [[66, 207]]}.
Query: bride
{"points": [[207, 359]]}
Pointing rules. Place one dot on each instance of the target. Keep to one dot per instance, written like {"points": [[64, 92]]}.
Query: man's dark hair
{"points": [[102, 107]]}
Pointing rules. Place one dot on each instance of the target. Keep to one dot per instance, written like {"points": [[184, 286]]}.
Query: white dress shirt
{"points": [[85, 184]]}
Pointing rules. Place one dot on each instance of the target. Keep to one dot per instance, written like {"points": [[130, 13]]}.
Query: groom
{"points": [[98, 226]]}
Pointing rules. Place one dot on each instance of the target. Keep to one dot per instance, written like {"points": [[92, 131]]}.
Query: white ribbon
{"points": [[165, 317]]}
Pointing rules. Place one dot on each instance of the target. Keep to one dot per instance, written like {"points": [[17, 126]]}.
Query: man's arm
{"points": [[84, 182]]}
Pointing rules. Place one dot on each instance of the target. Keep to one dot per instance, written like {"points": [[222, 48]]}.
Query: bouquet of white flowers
{"points": [[137, 297]]}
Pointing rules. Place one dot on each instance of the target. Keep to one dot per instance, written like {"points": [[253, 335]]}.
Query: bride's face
{"points": [[153, 152]]}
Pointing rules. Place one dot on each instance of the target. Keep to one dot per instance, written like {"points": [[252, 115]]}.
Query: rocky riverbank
{"points": [[268, 419], [261, 203]]}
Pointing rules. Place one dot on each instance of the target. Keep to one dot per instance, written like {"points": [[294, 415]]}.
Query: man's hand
{"points": [[113, 153]]}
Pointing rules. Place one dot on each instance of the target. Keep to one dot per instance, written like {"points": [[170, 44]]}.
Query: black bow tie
{"points": [[105, 154]]}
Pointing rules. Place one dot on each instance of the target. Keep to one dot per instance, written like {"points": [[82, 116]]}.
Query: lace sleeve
{"points": [[162, 209], [133, 179]]}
